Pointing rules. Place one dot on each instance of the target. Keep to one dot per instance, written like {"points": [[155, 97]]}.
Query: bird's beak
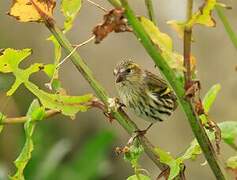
{"points": [[120, 77]]}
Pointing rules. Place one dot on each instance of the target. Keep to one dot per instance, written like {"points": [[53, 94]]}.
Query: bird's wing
{"points": [[156, 84], [158, 87]]}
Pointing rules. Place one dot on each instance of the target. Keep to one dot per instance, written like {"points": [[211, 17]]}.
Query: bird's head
{"points": [[127, 71]]}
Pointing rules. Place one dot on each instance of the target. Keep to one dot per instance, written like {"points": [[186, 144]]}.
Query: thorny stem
{"points": [[177, 86], [150, 10], [119, 115]]}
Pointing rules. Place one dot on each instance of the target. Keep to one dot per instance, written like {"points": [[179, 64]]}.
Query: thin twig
{"points": [[74, 50], [16, 120], [49, 85], [150, 10], [97, 5]]}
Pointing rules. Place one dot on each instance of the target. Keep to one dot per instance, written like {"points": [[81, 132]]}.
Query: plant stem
{"points": [[189, 9], [115, 3], [227, 26], [177, 86], [150, 10], [187, 56], [119, 115], [23, 119], [187, 46]]}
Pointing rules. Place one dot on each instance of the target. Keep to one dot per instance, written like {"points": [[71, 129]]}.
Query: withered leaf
{"points": [[114, 21]]}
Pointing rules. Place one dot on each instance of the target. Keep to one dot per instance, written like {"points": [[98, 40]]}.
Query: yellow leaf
{"points": [[178, 27], [203, 16], [165, 44], [159, 38], [32, 10]]}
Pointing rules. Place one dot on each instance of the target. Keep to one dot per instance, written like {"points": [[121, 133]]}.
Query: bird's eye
{"points": [[128, 70]]}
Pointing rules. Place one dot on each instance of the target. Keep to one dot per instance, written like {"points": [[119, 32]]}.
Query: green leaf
{"points": [[68, 105], [2, 117], [165, 44], [34, 112], [9, 62], [134, 153], [174, 164], [51, 70], [210, 97], [70, 10], [141, 177], [192, 152], [229, 135], [209, 100], [232, 162], [229, 132], [56, 85]]}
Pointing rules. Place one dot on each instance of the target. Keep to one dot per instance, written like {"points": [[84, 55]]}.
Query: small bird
{"points": [[144, 92]]}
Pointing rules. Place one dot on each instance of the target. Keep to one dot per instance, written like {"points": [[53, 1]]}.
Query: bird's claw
{"points": [[141, 132], [109, 116]]}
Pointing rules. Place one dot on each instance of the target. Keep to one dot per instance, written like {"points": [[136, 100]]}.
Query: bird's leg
{"points": [[137, 134], [165, 173], [143, 132]]}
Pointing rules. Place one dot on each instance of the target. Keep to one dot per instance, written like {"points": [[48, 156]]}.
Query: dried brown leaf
{"points": [[114, 21]]}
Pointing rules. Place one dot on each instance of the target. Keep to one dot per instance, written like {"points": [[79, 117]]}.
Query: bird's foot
{"points": [[143, 132], [139, 133]]}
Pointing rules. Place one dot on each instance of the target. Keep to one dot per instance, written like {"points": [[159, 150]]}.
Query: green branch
{"points": [[23, 119], [150, 11], [177, 86], [227, 26], [119, 115]]}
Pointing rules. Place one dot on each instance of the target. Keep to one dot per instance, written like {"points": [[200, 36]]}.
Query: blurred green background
{"points": [[84, 148]]}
